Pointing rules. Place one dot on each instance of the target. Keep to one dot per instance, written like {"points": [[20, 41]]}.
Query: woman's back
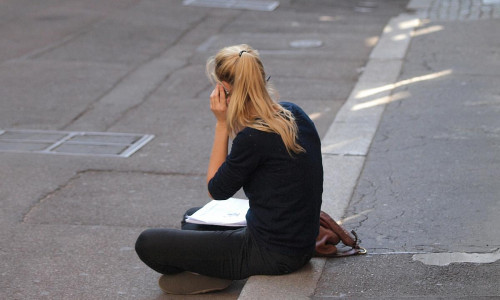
{"points": [[284, 190]]}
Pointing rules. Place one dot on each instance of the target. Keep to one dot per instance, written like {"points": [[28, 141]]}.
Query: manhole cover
{"points": [[365, 6], [72, 143], [306, 44], [236, 4]]}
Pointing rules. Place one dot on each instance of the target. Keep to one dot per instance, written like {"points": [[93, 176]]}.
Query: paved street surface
{"points": [[428, 200], [426, 193]]}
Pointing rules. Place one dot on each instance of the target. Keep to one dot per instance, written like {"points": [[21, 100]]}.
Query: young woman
{"points": [[276, 158]]}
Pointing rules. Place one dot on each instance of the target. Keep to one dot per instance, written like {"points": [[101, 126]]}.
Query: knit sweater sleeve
{"points": [[238, 166]]}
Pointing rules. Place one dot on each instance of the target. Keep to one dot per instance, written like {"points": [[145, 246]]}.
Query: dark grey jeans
{"points": [[225, 253]]}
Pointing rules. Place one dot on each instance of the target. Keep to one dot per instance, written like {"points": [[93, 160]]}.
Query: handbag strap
{"points": [[348, 239], [355, 249]]}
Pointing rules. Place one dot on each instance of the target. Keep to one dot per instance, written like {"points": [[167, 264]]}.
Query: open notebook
{"points": [[230, 212]]}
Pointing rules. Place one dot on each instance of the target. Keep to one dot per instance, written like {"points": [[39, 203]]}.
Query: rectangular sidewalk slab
{"points": [[298, 285]]}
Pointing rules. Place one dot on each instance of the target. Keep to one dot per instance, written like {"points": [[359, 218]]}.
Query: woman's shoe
{"points": [[188, 283]]}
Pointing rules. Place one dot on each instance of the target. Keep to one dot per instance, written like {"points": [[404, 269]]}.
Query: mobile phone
{"points": [[225, 91]]}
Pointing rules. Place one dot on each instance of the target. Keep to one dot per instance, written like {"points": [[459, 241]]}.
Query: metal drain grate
{"points": [[72, 143], [463, 10], [236, 4]]}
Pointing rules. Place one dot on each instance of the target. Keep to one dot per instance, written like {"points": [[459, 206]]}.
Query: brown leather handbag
{"points": [[330, 234]]}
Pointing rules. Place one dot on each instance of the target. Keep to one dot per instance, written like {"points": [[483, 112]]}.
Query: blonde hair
{"points": [[251, 104]]}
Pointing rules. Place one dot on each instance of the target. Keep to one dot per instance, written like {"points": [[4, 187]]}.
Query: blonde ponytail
{"points": [[250, 103]]}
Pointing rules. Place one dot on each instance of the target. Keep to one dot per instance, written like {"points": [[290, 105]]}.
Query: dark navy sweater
{"points": [[284, 192]]}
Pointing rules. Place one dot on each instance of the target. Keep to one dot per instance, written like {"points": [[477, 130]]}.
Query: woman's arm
{"points": [[218, 105], [219, 150]]}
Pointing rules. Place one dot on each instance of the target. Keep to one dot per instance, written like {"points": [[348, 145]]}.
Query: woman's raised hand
{"points": [[218, 103]]}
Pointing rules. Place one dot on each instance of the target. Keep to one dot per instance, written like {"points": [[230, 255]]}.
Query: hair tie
{"points": [[241, 52]]}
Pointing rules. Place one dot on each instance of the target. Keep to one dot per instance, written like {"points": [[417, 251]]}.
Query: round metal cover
{"points": [[306, 43], [367, 4]]}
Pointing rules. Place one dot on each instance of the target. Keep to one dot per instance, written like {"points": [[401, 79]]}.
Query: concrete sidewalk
{"points": [[69, 222], [417, 146], [408, 115]]}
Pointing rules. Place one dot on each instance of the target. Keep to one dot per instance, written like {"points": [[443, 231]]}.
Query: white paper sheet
{"points": [[230, 212]]}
